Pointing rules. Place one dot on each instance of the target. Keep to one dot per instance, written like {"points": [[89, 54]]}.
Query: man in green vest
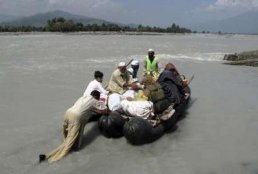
{"points": [[151, 64]]}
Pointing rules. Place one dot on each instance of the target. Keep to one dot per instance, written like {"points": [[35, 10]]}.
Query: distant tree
{"points": [[61, 24], [60, 19], [104, 27], [94, 27], [139, 28], [79, 26], [177, 29]]}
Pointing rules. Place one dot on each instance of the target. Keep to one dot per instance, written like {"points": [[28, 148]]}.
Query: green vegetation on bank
{"points": [[62, 25], [248, 55], [249, 58]]}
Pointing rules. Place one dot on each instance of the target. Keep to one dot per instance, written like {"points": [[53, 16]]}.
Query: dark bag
{"points": [[161, 105], [156, 93]]}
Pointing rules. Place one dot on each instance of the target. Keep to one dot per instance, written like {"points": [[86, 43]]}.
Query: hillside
{"points": [[245, 23], [40, 20], [4, 18]]}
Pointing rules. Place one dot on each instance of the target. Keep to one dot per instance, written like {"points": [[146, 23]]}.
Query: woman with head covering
{"points": [[171, 83], [171, 67]]}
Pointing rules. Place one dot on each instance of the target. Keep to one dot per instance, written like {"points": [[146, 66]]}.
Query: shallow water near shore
{"points": [[41, 75]]}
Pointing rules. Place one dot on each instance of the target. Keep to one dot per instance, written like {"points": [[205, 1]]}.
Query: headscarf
{"points": [[171, 67]]}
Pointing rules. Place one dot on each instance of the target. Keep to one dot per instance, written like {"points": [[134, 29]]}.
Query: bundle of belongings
{"points": [[149, 102]]}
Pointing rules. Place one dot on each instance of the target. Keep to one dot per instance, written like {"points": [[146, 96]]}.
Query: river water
{"points": [[41, 75]]}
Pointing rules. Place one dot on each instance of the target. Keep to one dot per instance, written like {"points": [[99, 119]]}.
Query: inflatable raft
{"points": [[138, 130]]}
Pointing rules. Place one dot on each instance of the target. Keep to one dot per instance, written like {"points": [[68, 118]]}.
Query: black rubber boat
{"points": [[139, 131]]}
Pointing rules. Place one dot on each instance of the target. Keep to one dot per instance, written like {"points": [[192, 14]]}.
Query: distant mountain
{"points": [[40, 20], [4, 18], [245, 23]]}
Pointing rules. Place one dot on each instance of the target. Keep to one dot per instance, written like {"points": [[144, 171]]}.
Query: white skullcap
{"points": [[135, 62], [130, 70], [151, 50], [121, 64], [135, 80]]}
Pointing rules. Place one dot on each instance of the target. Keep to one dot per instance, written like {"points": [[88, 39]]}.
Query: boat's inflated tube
{"points": [[182, 107], [112, 125], [187, 90], [139, 131]]}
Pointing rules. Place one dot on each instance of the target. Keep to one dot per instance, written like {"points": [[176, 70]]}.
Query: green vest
{"points": [[152, 66]]}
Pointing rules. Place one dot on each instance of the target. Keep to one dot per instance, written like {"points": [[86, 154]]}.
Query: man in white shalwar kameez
{"points": [[75, 120], [96, 84]]}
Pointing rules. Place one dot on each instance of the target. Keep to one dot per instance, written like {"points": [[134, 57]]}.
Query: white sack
{"points": [[142, 109], [114, 102]]}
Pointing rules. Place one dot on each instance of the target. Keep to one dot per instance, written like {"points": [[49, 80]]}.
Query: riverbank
{"points": [[93, 33], [248, 58]]}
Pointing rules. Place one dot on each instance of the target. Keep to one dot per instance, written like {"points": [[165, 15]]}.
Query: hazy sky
{"points": [[147, 12]]}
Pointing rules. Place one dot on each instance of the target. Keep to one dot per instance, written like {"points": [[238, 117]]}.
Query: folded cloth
{"points": [[166, 114]]}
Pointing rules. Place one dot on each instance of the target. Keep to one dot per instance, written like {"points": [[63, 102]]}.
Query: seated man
{"points": [[75, 120], [134, 68], [121, 81]]}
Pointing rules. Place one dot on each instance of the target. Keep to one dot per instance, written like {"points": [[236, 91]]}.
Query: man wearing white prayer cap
{"points": [[134, 68], [150, 50], [151, 65], [121, 64], [135, 62], [120, 79]]}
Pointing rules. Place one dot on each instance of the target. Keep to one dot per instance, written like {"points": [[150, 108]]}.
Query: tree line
{"points": [[62, 25]]}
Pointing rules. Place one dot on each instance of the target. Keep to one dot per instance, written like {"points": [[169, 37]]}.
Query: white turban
{"points": [[135, 62], [121, 64], [151, 50]]}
